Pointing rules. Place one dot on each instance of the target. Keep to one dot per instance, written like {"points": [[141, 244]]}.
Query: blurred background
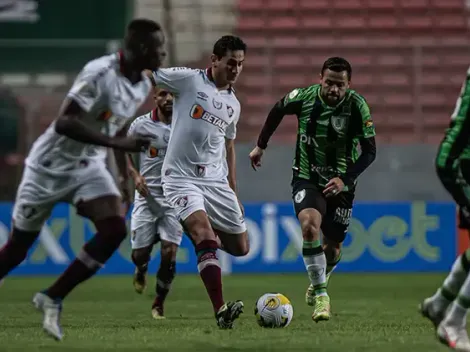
{"points": [[409, 60]]}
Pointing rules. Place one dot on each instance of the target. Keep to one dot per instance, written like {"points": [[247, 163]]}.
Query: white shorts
{"points": [[39, 192], [146, 227], [219, 202]]}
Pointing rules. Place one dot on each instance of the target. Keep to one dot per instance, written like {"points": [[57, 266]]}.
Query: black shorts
{"points": [[336, 211]]}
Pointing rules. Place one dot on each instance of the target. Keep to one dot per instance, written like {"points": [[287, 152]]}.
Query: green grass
{"points": [[370, 313]]}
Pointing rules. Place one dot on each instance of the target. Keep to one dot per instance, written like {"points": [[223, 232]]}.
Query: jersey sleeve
{"points": [[87, 88], [292, 102], [231, 132], [364, 119], [135, 128], [174, 79]]}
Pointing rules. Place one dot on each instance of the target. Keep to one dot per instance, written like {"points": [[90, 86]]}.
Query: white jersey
{"points": [[151, 161], [203, 117], [108, 99]]}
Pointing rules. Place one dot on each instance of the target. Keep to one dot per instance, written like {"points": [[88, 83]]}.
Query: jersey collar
{"points": [[211, 78], [154, 115]]}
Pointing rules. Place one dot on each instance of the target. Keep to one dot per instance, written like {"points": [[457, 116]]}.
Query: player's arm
{"points": [[291, 104], [173, 79], [231, 163], [139, 180], [81, 98], [366, 135]]}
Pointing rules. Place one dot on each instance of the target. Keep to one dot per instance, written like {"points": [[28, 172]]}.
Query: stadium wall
{"points": [[383, 237]]}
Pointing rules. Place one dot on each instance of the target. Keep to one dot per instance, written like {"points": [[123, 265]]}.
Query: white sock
{"points": [[316, 270]]}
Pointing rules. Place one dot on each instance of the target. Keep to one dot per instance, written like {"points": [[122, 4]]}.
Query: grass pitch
{"points": [[370, 313]]}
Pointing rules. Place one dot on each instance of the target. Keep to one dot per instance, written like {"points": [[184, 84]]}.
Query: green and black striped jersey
{"points": [[327, 137], [456, 142]]}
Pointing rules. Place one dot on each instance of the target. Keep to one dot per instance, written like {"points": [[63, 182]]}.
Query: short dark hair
{"points": [[228, 43], [143, 26], [337, 64]]}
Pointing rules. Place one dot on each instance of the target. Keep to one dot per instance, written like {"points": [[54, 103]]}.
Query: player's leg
{"points": [[227, 220], [143, 238], [98, 199], [32, 207], [171, 234], [335, 227], [189, 202], [310, 206]]}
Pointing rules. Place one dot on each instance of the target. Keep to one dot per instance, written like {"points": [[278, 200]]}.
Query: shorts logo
{"points": [[299, 196], [200, 170], [229, 111], [182, 202], [198, 113], [342, 216], [217, 104], [29, 212]]}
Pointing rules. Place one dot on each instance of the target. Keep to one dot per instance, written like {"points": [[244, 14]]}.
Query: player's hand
{"points": [[141, 185], [132, 144], [333, 187], [255, 157]]}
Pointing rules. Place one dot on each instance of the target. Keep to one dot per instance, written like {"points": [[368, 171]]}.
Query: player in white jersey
{"points": [[199, 167], [153, 219], [67, 163]]}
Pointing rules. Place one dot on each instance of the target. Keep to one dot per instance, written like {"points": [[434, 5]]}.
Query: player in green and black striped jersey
{"points": [[448, 307], [333, 121]]}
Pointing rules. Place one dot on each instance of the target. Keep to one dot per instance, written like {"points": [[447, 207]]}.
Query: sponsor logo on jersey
{"points": [[154, 152], [198, 113]]}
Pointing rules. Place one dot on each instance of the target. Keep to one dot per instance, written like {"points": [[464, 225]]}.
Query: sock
{"points": [[457, 313], [332, 264], [15, 250], [452, 283], [111, 232], [209, 269], [165, 276], [315, 263]]}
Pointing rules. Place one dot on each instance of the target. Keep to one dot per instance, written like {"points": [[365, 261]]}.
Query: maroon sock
{"points": [[111, 232], [15, 250], [209, 269]]}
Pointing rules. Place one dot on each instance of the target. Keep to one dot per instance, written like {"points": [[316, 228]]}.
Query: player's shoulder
{"points": [[181, 71], [140, 120], [99, 67], [304, 93], [356, 98]]}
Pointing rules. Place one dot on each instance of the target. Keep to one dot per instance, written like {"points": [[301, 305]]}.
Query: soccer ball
{"points": [[273, 310]]}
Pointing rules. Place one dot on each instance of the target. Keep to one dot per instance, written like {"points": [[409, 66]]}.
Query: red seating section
{"points": [[409, 59]]}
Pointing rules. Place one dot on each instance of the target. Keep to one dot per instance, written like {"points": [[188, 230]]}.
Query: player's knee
{"points": [[310, 230], [243, 247], [168, 251], [141, 256], [114, 228], [201, 232], [19, 243]]}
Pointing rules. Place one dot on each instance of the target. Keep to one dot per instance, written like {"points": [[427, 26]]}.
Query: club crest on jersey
{"points": [[338, 123], [166, 136], [198, 113], [217, 104], [229, 111], [299, 196]]}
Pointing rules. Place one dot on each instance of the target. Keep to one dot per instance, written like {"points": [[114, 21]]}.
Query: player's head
{"points": [[164, 101], [144, 44], [335, 78], [227, 59]]}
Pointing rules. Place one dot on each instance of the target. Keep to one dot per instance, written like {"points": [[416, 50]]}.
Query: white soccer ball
{"points": [[273, 310]]}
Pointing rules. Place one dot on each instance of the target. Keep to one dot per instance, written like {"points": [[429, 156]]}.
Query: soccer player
{"points": [[447, 308], [196, 178], [67, 163], [332, 121], [153, 219]]}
